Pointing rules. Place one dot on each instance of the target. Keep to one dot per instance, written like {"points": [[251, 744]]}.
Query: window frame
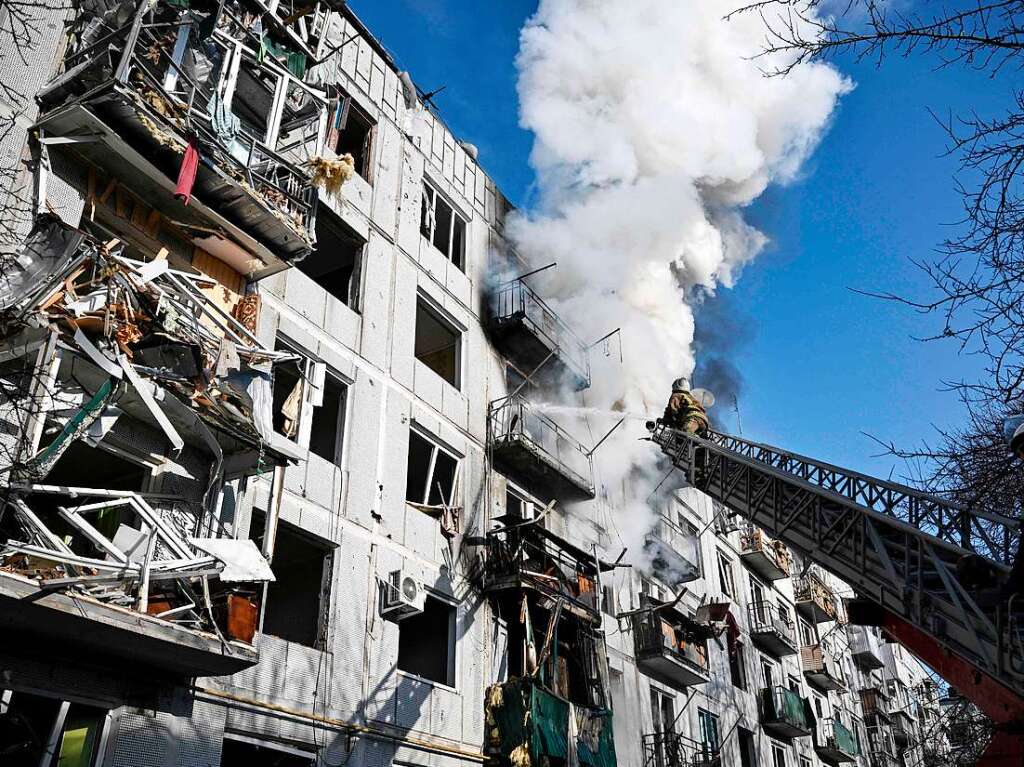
{"points": [[442, 318], [726, 575], [436, 445], [778, 754], [346, 107], [704, 719], [434, 195]]}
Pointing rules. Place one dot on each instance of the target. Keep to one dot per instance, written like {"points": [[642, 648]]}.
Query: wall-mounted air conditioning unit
{"points": [[401, 596]]}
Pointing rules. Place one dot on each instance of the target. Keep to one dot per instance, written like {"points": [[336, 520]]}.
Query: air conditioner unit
{"points": [[401, 596]]}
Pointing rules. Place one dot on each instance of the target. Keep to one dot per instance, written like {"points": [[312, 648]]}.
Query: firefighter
{"points": [[684, 412]]}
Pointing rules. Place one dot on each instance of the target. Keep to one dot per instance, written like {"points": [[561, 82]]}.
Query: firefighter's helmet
{"points": [[680, 384]]}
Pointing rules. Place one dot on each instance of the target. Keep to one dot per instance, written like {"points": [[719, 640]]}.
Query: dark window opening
{"points": [[327, 430], [748, 755], [438, 344], [336, 264], [737, 667], [33, 725], [237, 753], [445, 228], [430, 473], [296, 599], [426, 643], [351, 132]]}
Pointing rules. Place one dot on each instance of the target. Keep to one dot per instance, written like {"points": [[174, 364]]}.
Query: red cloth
{"points": [[187, 173]]}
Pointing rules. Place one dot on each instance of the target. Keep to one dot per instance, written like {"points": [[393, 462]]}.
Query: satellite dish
{"points": [[704, 397]]}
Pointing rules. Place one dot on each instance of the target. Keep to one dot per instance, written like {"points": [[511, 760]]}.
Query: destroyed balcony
{"points": [[821, 668], [814, 600], [670, 646], [783, 713], [671, 749], [201, 119], [147, 595], [772, 629], [834, 743], [531, 446], [865, 648], [527, 719], [768, 558], [674, 554], [529, 333], [530, 557]]}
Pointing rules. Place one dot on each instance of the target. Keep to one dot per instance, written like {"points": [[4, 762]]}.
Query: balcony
{"points": [[539, 452], [821, 668], [675, 750], [834, 743], [532, 558], [900, 733], [130, 103], [875, 704], [783, 713], [881, 759], [772, 629], [670, 646], [529, 332], [865, 648], [674, 555], [768, 558], [814, 600]]}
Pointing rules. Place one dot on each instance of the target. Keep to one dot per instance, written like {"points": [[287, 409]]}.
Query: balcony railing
{"points": [[874, 703], [768, 558], [865, 648], [834, 742], [254, 123], [772, 629], [821, 668], [533, 446], [674, 750], [784, 713], [529, 330], [814, 600], [531, 557], [670, 648]]}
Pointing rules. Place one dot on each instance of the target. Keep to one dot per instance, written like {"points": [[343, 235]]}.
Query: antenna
{"points": [[736, 410]]}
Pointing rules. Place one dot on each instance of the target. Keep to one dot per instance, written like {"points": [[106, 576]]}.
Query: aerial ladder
{"points": [[932, 574]]}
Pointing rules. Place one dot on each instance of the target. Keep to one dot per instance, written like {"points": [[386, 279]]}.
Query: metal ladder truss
{"points": [[895, 545]]}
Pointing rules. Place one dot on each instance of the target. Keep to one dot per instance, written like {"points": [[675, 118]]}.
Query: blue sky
{"points": [[820, 363]]}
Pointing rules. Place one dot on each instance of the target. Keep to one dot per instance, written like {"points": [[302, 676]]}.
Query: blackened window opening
{"points": [[426, 643]]}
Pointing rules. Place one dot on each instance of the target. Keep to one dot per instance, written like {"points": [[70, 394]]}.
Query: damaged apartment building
{"points": [[275, 487]]}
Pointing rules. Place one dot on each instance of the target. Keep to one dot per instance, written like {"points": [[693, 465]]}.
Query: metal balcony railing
{"points": [[535, 446], [771, 626], [671, 749], [783, 712], [835, 741], [516, 302]]}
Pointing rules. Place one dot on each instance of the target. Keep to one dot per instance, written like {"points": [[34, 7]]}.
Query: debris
{"points": [[330, 174]]}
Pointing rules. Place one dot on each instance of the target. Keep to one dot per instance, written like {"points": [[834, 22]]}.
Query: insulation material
{"points": [[243, 562], [330, 174]]}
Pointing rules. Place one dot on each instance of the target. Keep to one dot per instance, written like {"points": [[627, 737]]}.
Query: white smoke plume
{"points": [[654, 126]]}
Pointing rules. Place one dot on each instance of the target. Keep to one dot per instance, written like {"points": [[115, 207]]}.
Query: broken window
{"points": [[438, 344], [46, 732], [287, 398], [737, 665], [426, 643], [351, 132], [430, 473], [725, 576], [336, 264], [297, 601], [445, 228], [327, 429], [244, 753], [608, 606]]}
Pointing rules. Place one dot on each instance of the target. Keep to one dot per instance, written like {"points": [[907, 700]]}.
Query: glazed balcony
{"points": [[814, 600], [772, 629], [532, 558], [133, 101], [767, 557], [821, 668], [865, 648], [670, 646], [834, 743], [674, 554], [531, 446], [783, 713], [671, 749], [530, 333], [875, 704]]}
